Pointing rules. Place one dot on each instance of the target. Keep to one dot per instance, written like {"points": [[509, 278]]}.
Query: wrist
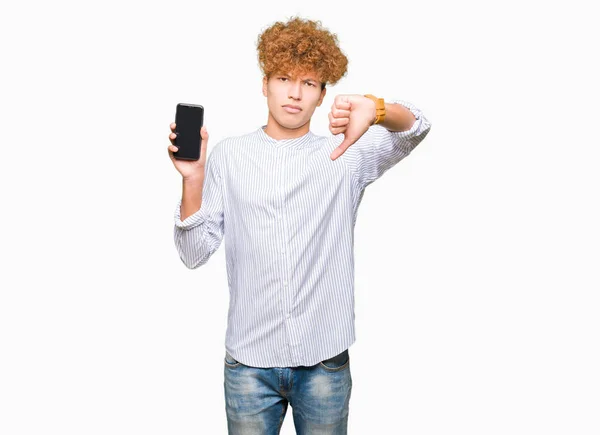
{"points": [[380, 109], [373, 108], [193, 180]]}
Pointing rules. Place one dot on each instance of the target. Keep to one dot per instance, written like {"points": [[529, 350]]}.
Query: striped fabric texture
{"points": [[287, 214]]}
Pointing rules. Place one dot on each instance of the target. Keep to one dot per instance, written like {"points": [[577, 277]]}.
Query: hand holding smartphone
{"points": [[188, 153], [189, 140], [189, 119]]}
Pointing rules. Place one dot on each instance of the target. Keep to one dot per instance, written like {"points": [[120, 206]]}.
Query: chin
{"points": [[295, 126], [292, 125]]}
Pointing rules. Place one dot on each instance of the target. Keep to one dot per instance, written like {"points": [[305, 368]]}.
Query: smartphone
{"points": [[188, 120]]}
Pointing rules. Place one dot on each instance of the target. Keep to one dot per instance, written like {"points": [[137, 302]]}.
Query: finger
{"points": [[172, 138], [204, 134], [340, 122], [336, 153], [337, 130], [340, 113], [341, 149], [341, 103], [203, 143], [170, 150], [173, 125]]}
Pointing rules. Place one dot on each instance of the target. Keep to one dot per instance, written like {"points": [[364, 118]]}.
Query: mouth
{"points": [[292, 109]]}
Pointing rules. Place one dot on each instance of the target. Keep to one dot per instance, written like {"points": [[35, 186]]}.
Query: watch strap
{"points": [[379, 108]]}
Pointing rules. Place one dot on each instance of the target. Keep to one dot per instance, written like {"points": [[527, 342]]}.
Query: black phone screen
{"points": [[188, 120]]}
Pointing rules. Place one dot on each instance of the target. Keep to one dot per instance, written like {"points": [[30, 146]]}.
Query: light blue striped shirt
{"points": [[287, 212]]}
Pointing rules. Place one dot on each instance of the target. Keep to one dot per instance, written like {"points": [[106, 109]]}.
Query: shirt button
{"points": [[285, 283], [288, 316]]}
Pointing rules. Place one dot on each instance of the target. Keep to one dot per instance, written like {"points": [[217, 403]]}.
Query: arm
{"points": [[199, 217], [191, 197], [397, 117], [370, 150]]}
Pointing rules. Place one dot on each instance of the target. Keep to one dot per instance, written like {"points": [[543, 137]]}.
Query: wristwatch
{"points": [[379, 108]]}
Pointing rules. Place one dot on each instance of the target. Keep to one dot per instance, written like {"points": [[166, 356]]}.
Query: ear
{"points": [[323, 92], [264, 86]]}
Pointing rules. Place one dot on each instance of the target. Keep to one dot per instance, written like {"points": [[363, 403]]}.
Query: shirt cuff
{"points": [[191, 221]]}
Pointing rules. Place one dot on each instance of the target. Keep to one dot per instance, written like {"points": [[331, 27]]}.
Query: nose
{"points": [[295, 90]]}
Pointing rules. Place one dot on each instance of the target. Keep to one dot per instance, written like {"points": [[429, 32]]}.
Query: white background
{"points": [[476, 257]]}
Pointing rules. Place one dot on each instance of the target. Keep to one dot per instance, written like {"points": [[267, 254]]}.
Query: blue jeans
{"points": [[256, 399]]}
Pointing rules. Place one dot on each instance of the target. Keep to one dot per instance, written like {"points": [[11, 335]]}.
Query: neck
{"points": [[279, 132]]}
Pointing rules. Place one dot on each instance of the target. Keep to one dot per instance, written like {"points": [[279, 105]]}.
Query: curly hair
{"points": [[299, 46]]}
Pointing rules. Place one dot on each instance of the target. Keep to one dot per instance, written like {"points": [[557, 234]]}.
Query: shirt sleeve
{"points": [[200, 235], [379, 149]]}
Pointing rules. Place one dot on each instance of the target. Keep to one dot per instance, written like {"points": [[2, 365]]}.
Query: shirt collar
{"points": [[296, 143]]}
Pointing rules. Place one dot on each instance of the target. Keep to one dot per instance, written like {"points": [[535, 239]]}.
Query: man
{"points": [[286, 200]]}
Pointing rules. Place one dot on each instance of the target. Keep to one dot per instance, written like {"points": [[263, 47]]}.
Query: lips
{"points": [[291, 108]]}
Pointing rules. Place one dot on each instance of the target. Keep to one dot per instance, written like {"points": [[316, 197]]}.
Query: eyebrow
{"points": [[304, 80]]}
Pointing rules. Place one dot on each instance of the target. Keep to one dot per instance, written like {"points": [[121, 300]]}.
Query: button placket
{"points": [[288, 289], [283, 231], [281, 227], [283, 297]]}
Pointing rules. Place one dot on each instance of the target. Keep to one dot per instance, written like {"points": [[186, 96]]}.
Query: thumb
{"points": [[203, 143], [348, 140], [341, 149], [204, 134]]}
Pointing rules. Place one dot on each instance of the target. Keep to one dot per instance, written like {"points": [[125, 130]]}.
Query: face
{"points": [[292, 99]]}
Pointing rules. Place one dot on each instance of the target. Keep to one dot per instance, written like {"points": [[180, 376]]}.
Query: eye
{"points": [[283, 79], [310, 84]]}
